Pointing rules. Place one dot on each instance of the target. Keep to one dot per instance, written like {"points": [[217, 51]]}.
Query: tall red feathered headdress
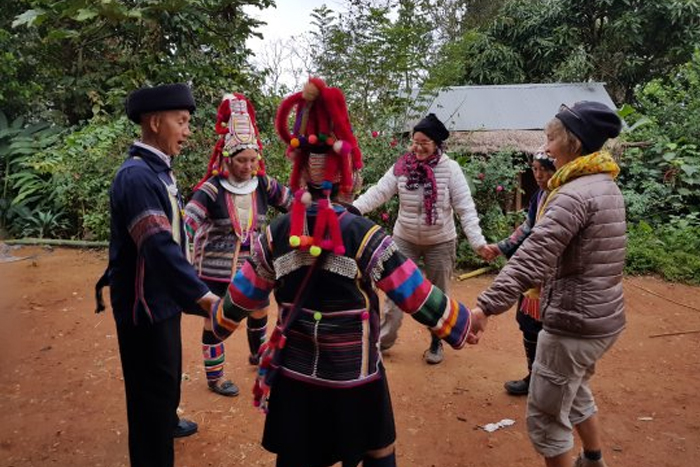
{"points": [[324, 153], [235, 122]]}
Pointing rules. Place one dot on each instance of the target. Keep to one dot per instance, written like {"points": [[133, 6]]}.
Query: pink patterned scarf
{"points": [[420, 173]]}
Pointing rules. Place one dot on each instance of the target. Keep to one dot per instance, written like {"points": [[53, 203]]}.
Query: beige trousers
{"points": [[438, 264]]}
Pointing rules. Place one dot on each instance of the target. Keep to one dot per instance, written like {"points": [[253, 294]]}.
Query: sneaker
{"points": [[434, 354], [185, 428], [518, 388], [226, 388], [581, 461]]}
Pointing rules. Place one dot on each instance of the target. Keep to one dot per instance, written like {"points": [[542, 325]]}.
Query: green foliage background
{"points": [[67, 66]]}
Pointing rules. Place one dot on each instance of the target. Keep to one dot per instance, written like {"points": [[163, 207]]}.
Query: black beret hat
{"points": [[159, 98], [433, 128], [592, 123]]}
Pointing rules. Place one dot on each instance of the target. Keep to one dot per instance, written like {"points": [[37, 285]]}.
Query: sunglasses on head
{"points": [[566, 108]]}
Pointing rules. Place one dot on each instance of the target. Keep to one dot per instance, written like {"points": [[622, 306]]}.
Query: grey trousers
{"points": [[439, 261]]}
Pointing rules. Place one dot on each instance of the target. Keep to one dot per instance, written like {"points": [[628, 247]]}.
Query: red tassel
{"points": [[281, 119], [321, 223], [346, 169], [223, 114], [336, 238], [300, 160], [296, 226], [331, 170]]}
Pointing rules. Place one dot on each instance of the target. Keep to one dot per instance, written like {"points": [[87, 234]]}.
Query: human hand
{"points": [[478, 327], [489, 252], [208, 302]]}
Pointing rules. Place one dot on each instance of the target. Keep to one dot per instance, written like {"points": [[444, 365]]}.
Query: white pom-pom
{"points": [[338, 146], [306, 198]]}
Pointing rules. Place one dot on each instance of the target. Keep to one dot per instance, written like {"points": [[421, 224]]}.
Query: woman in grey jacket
{"points": [[577, 250], [431, 188]]}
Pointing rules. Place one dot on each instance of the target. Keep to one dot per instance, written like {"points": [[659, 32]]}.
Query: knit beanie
{"points": [[592, 123], [433, 128]]}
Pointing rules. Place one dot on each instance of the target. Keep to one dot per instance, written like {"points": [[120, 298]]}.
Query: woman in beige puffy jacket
{"points": [[431, 189], [577, 251]]}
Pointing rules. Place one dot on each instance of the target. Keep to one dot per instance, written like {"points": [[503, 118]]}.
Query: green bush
{"points": [[87, 160], [670, 250], [380, 150], [494, 180]]}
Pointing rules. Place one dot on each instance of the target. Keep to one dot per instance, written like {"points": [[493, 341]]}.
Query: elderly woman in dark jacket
{"points": [[577, 250]]}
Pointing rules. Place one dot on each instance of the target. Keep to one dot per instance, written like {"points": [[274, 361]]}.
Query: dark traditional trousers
{"points": [[151, 357]]}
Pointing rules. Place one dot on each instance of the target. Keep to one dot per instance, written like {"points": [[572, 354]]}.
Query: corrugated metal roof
{"points": [[504, 107]]}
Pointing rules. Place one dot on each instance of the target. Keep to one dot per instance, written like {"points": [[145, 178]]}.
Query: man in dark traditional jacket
{"points": [[150, 278]]}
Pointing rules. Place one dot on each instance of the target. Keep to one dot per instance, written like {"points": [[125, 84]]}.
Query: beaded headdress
{"points": [[325, 156], [235, 122]]}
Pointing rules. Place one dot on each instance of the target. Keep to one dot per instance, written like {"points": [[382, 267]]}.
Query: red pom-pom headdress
{"points": [[235, 122], [324, 153]]}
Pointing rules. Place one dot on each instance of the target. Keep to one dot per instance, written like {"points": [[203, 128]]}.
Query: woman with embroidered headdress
{"points": [[322, 369], [227, 210], [528, 307], [431, 189]]}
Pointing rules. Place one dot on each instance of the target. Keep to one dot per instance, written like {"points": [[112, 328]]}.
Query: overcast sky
{"points": [[287, 19]]}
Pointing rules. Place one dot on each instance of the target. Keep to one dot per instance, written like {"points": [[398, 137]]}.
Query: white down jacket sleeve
{"points": [[377, 195], [464, 207]]}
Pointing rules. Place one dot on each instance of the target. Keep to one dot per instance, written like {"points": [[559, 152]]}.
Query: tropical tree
{"points": [[620, 42], [86, 55], [375, 59]]}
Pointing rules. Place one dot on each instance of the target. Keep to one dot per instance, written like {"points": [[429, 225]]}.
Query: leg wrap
{"points": [[214, 356], [256, 330], [530, 351]]}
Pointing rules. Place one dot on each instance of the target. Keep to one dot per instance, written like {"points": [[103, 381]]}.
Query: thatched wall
{"points": [[488, 142]]}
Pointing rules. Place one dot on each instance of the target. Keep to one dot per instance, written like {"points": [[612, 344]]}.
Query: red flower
{"points": [[499, 188], [375, 134], [393, 143], [481, 176], [385, 216]]}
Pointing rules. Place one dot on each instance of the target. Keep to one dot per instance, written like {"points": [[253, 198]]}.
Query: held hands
{"points": [[489, 252], [479, 322], [207, 303]]}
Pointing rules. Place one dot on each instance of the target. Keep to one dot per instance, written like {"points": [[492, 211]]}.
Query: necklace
{"points": [[240, 188], [242, 229]]}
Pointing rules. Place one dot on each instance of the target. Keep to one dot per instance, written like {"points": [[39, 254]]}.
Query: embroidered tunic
{"points": [[223, 220], [333, 342], [149, 275]]}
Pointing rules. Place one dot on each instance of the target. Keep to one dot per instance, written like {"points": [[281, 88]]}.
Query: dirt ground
{"points": [[62, 395]]}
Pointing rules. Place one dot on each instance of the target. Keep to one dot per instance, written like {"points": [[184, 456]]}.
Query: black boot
{"points": [[521, 387], [518, 387]]}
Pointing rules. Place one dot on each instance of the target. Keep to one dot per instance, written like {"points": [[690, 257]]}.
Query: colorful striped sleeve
{"points": [[248, 291], [197, 210], [148, 223], [405, 285], [278, 195]]}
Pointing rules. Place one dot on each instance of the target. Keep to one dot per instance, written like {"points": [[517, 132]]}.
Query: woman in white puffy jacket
{"points": [[431, 188]]}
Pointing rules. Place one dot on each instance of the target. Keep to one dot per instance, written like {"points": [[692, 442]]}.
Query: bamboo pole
{"points": [[676, 333], [475, 273], [56, 242]]}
